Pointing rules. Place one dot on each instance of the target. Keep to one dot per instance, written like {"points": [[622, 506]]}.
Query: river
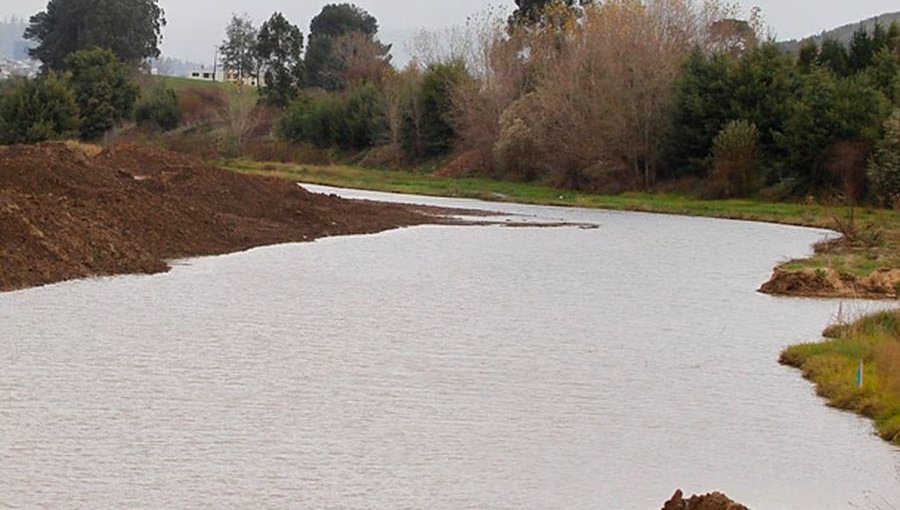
{"points": [[437, 367]]}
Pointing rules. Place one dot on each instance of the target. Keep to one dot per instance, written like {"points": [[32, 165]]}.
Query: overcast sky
{"points": [[195, 26]]}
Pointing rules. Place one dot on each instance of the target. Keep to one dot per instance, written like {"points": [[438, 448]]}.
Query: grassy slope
{"points": [[178, 83], [833, 366]]}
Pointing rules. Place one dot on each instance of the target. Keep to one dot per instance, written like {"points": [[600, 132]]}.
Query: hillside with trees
{"points": [[844, 34]]}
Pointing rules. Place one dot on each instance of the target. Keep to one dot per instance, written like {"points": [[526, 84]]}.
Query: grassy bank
{"points": [[178, 83], [872, 236], [833, 366]]}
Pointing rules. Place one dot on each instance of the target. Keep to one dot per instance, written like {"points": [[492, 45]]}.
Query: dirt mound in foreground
{"points": [[714, 501], [829, 283], [64, 215]]}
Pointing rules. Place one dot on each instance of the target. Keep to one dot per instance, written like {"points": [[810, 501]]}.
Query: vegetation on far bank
{"points": [[606, 97], [833, 367]]}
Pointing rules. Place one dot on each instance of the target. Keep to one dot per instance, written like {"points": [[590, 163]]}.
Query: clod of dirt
{"points": [[66, 215], [714, 501]]}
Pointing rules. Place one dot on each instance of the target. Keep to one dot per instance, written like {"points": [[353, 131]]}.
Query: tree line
{"points": [[342, 40], [629, 94], [611, 96]]}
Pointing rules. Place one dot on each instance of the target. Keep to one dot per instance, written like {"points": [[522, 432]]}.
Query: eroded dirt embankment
{"points": [[829, 283], [65, 215]]}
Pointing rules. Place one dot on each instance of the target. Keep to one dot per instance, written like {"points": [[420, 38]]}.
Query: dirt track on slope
{"points": [[65, 215]]}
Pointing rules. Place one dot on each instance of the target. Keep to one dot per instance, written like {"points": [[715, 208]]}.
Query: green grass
{"points": [[178, 83], [833, 366], [856, 259], [420, 183], [856, 265]]}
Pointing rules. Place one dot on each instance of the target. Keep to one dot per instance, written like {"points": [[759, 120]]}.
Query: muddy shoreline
{"points": [[829, 283], [66, 215]]}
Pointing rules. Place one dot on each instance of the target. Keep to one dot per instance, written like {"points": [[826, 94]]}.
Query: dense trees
{"points": [[825, 110], [701, 107], [817, 115], [131, 29], [606, 96], [89, 51], [353, 121], [619, 94], [103, 90], [94, 93]]}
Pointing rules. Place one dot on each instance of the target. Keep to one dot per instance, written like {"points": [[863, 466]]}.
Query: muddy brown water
{"points": [[436, 367]]}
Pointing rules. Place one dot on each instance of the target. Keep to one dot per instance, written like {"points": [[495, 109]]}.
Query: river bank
{"points": [[863, 262], [833, 366], [66, 212]]}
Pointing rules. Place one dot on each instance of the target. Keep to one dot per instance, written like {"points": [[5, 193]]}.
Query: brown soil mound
{"points": [[828, 283], [64, 215], [714, 501]]}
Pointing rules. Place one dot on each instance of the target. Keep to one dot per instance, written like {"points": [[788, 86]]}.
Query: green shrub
{"points": [[37, 110], [352, 121], [436, 97], [311, 120], [828, 110], [103, 90], [160, 109], [735, 157], [363, 123]]}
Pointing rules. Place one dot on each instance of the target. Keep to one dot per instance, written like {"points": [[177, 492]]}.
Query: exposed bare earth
{"points": [[829, 283], [65, 215], [714, 501]]}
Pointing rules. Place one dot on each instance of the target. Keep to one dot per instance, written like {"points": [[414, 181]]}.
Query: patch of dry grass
{"points": [[88, 149]]}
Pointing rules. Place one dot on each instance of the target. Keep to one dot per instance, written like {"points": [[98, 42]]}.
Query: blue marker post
{"points": [[859, 375]]}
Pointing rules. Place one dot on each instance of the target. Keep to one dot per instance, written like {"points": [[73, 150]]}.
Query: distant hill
{"points": [[843, 34]]}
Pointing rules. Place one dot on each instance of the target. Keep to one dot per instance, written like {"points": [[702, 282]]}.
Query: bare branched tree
{"points": [[585, 93]]}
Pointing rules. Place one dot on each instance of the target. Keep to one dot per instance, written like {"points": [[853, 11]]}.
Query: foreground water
{"points": [[436, 367]]}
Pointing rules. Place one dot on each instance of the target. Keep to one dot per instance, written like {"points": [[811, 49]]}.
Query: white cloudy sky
{"points": [[195, 26]]}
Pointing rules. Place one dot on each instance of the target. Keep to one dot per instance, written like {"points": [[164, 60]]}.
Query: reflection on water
{"points": [[435, 367]]}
